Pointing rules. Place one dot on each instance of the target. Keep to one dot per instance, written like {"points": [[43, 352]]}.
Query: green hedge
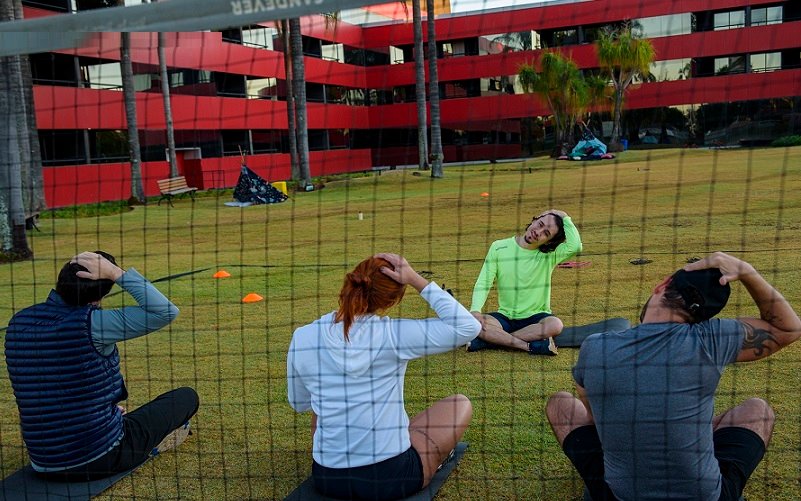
{"points": [[787, 141]]}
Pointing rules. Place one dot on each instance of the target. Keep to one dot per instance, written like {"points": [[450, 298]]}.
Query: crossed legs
{"points": [[493, 332], [436, 431], [738, 451]]}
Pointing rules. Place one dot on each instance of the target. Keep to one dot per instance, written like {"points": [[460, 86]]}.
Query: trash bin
{"points": [[625, 144]]}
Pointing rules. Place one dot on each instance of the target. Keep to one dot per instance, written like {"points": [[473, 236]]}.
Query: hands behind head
{"points": [[731, 268], [97, 267], [403, 272]]}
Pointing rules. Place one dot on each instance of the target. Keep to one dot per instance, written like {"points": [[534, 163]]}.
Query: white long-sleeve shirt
{"points": [[356, 387]]}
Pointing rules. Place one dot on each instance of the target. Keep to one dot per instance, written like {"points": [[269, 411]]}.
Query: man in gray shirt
{"points": [[643, 426], [64, 368]]}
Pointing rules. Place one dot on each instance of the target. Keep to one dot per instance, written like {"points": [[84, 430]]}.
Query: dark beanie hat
{"points": [[701, 291]]}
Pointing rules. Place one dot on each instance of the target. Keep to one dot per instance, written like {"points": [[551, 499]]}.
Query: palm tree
{"points": [[165, 92], [129, 93], [566, 91], [283, 31], [299, 88], [557, 80], [32, 176], [433, 93], [624, 57], [420, 86], [13, 239]]}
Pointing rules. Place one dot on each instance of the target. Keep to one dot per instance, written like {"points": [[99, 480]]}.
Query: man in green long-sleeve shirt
{"points": [[522, 266]]}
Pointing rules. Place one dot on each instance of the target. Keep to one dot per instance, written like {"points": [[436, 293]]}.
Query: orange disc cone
{"points": [[252, 298], [221, 274], [485, 194]]}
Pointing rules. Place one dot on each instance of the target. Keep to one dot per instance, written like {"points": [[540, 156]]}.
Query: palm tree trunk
{"points": [[13, 238], [129, 93], [290, 102], [420, 86], [32, 178], [299, 87], [617, 112], [165, 93], [433, 93]]}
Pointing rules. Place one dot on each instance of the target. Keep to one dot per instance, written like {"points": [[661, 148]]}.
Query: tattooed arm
{"points": [[778, 325]]}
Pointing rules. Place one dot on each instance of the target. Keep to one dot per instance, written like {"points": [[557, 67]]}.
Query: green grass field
{"points": [[664, 205]]}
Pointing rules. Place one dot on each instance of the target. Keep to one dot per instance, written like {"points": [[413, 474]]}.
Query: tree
{"points": [[32, 177], [165, 93], [299, 88], [283, 31], [13, 132], [625, 57], [566, 91], [433, 93], [129, 96], [420, 86]]}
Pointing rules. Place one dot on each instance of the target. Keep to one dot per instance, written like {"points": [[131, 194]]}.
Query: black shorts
{"points": [[738, 451], [515, 324], [394, 478]]}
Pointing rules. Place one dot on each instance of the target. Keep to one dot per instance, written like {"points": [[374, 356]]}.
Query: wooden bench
{"points": [[172, 187]]}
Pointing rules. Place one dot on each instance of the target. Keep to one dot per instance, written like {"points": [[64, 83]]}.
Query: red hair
{"points": [[367, 290]]}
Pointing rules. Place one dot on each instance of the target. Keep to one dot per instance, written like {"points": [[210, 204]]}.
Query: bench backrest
{"points": [[172, 184]]}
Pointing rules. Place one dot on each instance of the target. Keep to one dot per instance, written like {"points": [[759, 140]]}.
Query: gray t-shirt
{"points": [[651, 389]]}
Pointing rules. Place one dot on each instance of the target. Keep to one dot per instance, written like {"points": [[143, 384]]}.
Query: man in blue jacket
{"points": [[64, 368]]}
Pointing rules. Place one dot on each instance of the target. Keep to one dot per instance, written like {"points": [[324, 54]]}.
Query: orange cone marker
{"points": [[485, 194], [221, 274], [252, 298]]}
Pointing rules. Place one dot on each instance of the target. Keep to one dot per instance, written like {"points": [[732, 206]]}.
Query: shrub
{"points": [[793, 140]]}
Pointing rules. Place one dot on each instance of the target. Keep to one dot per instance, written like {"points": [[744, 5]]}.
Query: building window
{"points": [[108, 146], [102, 75], [729, 65], [266, 141], [235, 142], [729, 20], [664, 26], [674, 69], [508, 42], [53, 69], [259, 37], [565, 37], [262, 88], [766, 15], [62, 147], [769, 61], [333, 52], [396, 55]]}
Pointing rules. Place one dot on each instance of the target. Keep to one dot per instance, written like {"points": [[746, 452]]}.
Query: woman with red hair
{"points": [[348, 368]]}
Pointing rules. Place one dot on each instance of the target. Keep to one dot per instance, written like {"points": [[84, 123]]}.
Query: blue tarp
{"points": [[588, 147]]}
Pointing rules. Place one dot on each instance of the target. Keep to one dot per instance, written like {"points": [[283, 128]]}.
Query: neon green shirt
{"points": [[523, 275]]}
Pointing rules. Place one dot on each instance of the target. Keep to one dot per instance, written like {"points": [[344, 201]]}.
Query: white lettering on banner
{"points": [[240, 7]]}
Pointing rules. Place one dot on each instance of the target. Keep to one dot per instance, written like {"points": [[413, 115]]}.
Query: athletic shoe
{"points": [[175, 438], [542, 347], [477, 344]]}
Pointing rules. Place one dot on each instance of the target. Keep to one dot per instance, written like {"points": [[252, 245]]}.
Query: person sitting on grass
{"points": [[348, 369], [522, 266], [64, 368], [643, 426]]}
